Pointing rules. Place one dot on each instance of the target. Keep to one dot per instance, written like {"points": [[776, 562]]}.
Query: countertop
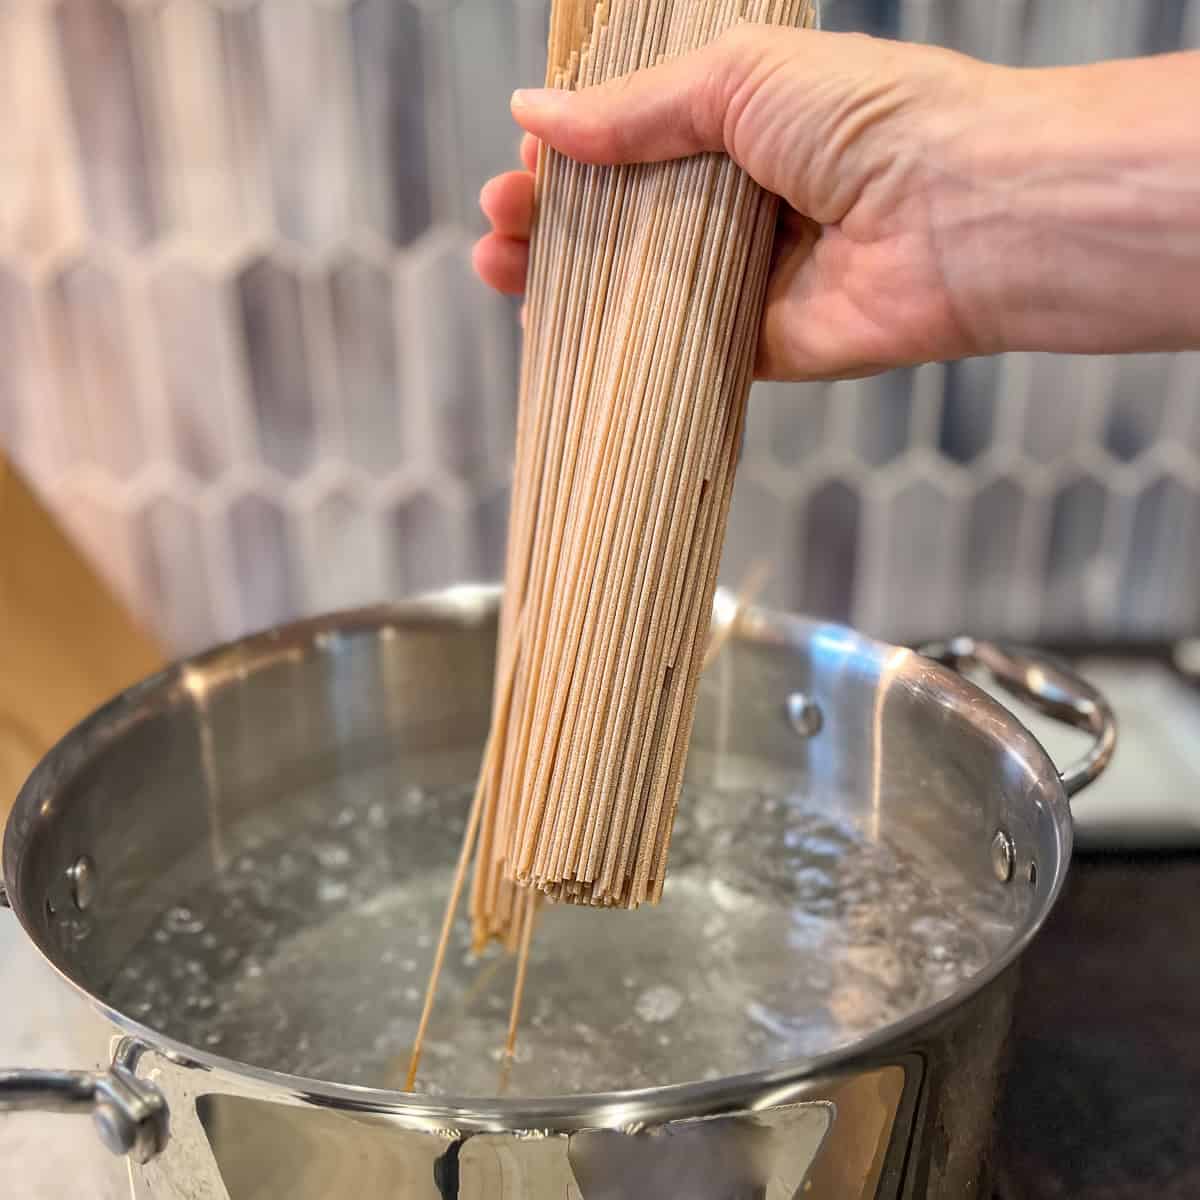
{"points": [[66, 642]]}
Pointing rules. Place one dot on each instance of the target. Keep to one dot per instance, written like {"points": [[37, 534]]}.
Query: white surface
{"points": [[46, 1157]]}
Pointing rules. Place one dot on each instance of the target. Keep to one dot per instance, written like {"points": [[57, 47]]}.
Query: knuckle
{"points": [[735, 63]]}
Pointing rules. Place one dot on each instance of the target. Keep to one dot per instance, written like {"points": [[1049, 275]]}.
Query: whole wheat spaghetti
{"points": [[645, 294]]}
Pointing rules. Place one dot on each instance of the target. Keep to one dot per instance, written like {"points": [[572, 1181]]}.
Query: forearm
{"points": [[1071, 216]]}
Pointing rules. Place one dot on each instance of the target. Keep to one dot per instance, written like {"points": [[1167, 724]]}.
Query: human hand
{"points": [[935, 207], [857, 283]]}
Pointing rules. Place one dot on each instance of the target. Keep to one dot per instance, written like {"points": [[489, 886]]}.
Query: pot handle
{"points": [[1048, 686], [130, 1114]]}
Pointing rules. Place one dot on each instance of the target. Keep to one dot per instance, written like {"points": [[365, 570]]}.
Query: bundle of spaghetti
{"points": [[645, 294]]}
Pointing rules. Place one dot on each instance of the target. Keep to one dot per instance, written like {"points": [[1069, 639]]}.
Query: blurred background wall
{"points": [[243, 357]]}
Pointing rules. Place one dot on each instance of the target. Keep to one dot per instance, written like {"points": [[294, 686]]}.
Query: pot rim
{"points": [[475, 604]]}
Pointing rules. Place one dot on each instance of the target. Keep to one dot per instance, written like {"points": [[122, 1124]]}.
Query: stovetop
{"points": [[1102, 1095]]}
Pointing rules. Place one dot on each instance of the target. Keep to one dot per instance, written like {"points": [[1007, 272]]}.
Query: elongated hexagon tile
{"points": [[446, 327], [484, 63], [365, 333], [996, 526], [883, 415], [927, 21], [390, 89], [500, 357], [755, 534], [96, 378], [275, 343], [1071, 31], [1115, 28], [490, 523], [39, 201], [21, 367], [1010, 20], [1057, 388], [993, 32], [1185, 400], [915, 588], [1165, 26], [342, 568], [240, 36], [1057, 33], [1190, 23], [829, 549], [1138, 390], [880, 17], [532, 29], [1070, 570], [176, 572], [428, 545], [268, 583], [201, 186], [309, 119], [786, 422], [1159, 575], [968, 408], [117, 154], [192, 328]]}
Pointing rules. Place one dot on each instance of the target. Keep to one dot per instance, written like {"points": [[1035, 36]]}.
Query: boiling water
{"points": [[784, 932]]}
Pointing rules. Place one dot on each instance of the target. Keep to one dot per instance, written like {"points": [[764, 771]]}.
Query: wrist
{"points": [[1067, 215]]}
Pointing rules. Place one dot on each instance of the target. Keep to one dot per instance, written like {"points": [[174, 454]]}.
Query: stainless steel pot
{"points": [[909, 744]]}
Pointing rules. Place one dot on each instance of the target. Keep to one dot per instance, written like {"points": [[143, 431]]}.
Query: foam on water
{"points": [[784, 932]]}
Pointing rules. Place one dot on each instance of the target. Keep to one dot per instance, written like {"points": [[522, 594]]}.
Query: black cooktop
{"points": [[1103, 1097]]}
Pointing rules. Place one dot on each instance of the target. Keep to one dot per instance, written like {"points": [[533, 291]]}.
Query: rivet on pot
{"points": [[804, 715], [82, 874], [1003, 856], [4, 896]]}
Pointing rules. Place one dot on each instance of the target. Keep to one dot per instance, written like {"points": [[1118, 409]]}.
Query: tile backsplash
{"points": [[245, 359]]}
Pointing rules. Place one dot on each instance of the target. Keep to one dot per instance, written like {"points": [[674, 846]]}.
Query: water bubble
{"points": [[728, 899], [332, 891], [332, 855], [658, 1004]]}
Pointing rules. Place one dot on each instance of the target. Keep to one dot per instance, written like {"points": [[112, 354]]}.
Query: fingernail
{"points": [[537, 99]]}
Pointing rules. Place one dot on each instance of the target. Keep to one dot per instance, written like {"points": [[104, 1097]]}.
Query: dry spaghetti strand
{"points": [[645, 294]]}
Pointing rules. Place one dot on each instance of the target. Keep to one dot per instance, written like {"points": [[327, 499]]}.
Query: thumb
{"points": [[685, 106]]}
